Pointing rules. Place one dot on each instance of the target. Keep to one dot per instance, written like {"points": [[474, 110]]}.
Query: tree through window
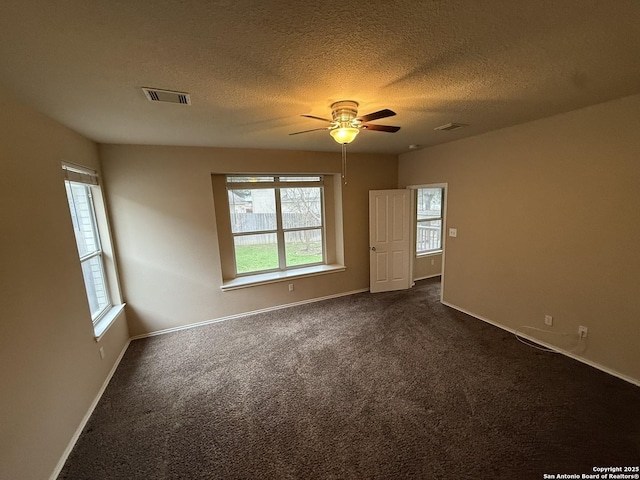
{"points": [[276, 222]]}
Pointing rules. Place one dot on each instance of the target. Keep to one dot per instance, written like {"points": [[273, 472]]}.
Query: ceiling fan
{"points": [[345, 124]]}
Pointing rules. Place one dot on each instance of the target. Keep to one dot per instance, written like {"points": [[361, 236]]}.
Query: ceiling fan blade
{"points": [[377, 115], [317, 118], [381, 128], [312, 130]]}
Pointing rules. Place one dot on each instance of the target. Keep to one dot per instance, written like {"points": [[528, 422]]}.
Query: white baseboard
{"points": [[245, 314], [428, 276], [566, 353], [85, 419]]}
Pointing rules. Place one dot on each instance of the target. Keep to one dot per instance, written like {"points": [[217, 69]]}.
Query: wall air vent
{"points": [[167, 96], [447, 127]]}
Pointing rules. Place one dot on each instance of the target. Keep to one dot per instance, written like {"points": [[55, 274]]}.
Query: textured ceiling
{"points": [[252, 67]]}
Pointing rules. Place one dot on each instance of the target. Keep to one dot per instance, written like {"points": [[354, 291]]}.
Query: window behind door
{"points": [[429, 203]]}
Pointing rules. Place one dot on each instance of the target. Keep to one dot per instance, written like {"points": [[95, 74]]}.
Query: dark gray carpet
{"points": [[391, 385]]}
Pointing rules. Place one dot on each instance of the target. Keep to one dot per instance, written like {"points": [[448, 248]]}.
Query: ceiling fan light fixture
{"points": [[344, 134]]}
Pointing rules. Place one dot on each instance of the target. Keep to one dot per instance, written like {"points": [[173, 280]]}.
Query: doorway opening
{"points": [[429, 238]]}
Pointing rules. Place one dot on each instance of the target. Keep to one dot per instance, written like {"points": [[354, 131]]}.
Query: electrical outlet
{"points": [[291, 287], [453, 232], [548, 320], [582, 331]]}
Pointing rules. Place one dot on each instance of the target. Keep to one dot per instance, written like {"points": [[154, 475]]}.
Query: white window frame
{"points": [[104, 318], [420, 253], [276, 185]]}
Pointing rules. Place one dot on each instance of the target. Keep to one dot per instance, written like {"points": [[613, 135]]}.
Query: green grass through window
{"points": [[254, 258]]}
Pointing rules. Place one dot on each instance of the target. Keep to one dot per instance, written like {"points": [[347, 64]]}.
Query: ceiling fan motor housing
{"points": [[344, 112]]}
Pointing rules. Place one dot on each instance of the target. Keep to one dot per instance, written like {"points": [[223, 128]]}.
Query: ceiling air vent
{"points": [[447, 127], [167, 96]]}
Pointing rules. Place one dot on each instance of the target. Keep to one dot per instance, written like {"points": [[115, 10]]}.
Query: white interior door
{"points": [[389, 240]]}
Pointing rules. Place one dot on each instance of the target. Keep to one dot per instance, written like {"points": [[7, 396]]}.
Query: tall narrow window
{"points": [[276, 222], [78, 185], [429, 220]]}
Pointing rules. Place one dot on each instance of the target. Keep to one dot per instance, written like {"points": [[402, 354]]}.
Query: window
{"points": [[277, 222], [429, 220], [80, 187]]}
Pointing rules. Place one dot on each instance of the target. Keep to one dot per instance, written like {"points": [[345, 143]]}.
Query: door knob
{"points": [[373, 249]]}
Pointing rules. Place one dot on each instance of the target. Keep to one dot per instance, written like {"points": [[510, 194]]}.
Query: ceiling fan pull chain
{"points": [[344, 163]]}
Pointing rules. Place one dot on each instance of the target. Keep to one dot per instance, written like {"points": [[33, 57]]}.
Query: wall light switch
{"points": [[453, 232]]}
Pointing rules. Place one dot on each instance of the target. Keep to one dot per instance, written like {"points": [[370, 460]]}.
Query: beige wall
{"points": [[50, 367], [548, 223], [161, 203], [427, 266]]}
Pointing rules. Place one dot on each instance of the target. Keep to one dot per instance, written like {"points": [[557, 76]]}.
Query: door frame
{"points": [[445, 187]]}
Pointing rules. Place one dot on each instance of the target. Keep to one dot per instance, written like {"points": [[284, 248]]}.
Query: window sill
{"points": [[273, 277], [100, 328], [428, 254]]}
